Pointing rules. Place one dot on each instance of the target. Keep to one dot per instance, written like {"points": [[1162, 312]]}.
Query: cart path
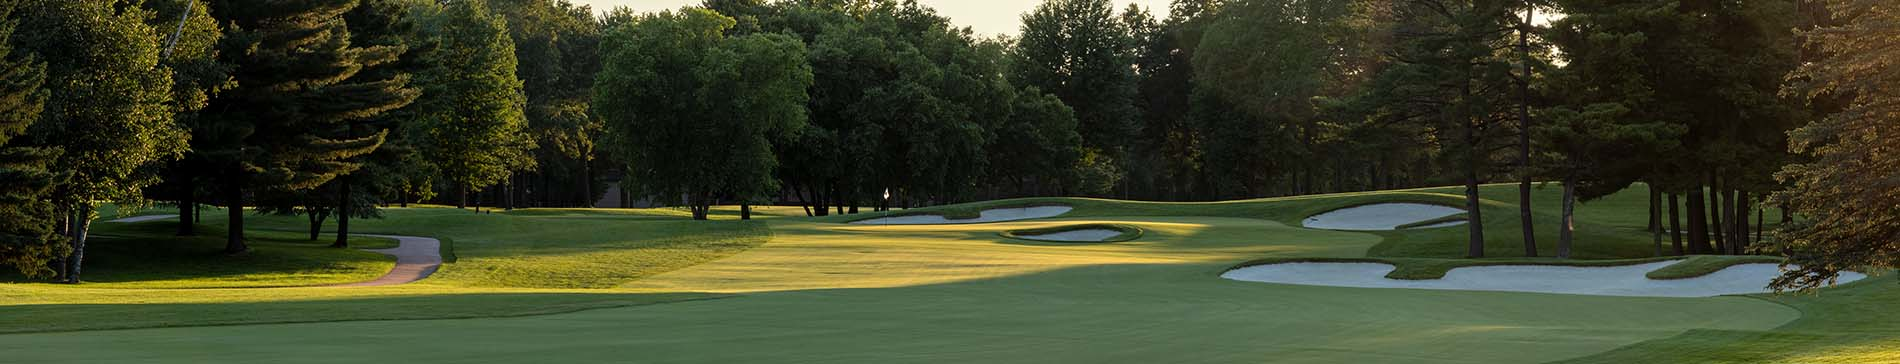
{"points": [[416, 258]]}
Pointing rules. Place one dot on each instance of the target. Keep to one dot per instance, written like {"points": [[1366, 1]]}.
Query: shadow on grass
{"points": [[86, 317]]}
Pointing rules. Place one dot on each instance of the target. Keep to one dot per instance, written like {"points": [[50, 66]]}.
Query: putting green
{"points": [[826, 292]]}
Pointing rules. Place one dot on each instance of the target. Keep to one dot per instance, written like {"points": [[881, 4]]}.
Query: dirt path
{"points": [[416, 258]]}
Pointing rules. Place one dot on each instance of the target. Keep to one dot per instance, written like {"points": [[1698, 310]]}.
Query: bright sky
{"points": [[993, 17]]}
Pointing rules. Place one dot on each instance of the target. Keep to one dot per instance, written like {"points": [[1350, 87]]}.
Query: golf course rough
{"points": [[1382, 216], [1626, 281], [986, 216]]}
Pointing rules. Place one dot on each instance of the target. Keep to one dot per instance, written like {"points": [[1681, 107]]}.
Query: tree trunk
{"points": [[1655, 212], [1739, 244], [1675, 225], [64, 227], [1698, 223], [1568, 231], [1524, 140], [745, 211], [316, 222], [1476, 221], [1716, 207], [1655, 218], [187, 204], [461, 199], [1758, 222], [343, 216], [234, 213], [81, 223], [587, 184]]}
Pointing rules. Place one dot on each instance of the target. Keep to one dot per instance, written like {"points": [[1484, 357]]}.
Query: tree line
{"points": [[331, 109], [1250, 98]]}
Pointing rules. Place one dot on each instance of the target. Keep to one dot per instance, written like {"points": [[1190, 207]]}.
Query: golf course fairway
{"points": [[645, 286]]}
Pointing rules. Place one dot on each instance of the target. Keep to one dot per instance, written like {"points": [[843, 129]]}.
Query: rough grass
{"points": [[1128, 232]]}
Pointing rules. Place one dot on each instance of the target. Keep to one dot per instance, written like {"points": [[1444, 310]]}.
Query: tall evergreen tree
{"points": [[472, 122], [1452, 72], [105, 109], [297, 87], [28, 242]]}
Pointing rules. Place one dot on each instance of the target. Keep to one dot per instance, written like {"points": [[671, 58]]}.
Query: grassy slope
{"points": [[846, 293]]}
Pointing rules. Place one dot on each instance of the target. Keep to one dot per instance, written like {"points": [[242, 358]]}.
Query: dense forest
{"points": [[334, 109]]}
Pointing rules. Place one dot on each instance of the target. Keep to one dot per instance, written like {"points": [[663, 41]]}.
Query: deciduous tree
{"points": [[693, 112]]}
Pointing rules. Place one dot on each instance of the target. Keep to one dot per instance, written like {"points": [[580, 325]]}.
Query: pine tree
{"points": [[27, 240], [297, 88], [472, 122]]}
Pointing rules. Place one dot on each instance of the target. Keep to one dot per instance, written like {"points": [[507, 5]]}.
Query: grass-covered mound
{"points": [[1128, 232]]}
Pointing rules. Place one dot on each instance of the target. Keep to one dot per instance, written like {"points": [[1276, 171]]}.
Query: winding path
{"points": [[416, 257]]}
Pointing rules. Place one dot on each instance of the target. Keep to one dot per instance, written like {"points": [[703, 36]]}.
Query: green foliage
{"points": [[1081, 51], [1038, 143], [473, 126], [557, 49], [106, 97], [27, 239], [1845, 192], [694, 111]]}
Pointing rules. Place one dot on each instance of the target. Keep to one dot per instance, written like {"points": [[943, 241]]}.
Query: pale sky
{"points": [[993, 17]]}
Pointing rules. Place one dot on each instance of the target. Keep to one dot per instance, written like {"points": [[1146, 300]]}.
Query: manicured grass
{"points": [[823, 292], [1127, 233], [648, 286], [1855, 323]]}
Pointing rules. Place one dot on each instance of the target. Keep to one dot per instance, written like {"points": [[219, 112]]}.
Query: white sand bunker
{"points": [[1078, 235], [991, 215], [1601, 281], [1383, 216]]}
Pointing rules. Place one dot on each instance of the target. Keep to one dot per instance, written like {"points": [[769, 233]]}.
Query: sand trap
{"points": [[991, 215], [143, 218], [1080, 235], [1600, 281], [1383, 216]]}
